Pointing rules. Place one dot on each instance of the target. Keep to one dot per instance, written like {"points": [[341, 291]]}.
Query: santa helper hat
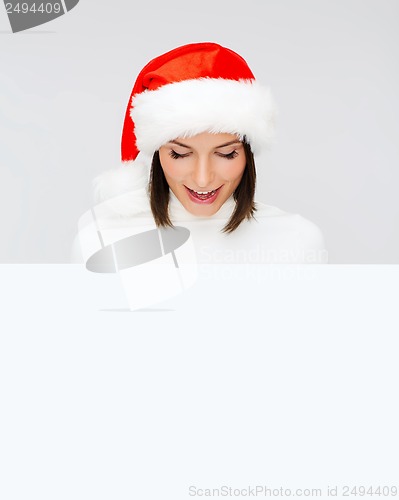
{"points": [[192, 89], [199, 87]]}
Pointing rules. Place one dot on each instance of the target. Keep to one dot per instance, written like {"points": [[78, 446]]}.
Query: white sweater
{"points": [[274, 236]]}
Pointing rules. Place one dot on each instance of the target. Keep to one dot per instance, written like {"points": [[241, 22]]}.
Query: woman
{"points": [[195, 120]]}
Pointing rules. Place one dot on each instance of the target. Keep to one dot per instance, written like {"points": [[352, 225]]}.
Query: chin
{"points": [[203, 210]]}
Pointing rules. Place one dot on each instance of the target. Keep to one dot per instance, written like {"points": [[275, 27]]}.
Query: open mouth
{"points": [[203, 196]]}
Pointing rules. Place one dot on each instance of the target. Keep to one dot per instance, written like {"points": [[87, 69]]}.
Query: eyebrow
{"points": [[217, 147]]}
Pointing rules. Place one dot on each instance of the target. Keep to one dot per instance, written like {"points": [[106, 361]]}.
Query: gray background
{"points": [[333, 70]]}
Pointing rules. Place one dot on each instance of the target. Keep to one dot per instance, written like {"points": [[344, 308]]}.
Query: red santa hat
{"points": [[199, 87]]}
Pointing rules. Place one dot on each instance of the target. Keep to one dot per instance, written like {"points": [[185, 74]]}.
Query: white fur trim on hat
{"points": [[216, 105]]}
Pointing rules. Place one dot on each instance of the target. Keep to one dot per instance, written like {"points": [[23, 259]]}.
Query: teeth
{"points": [[203, 192]]}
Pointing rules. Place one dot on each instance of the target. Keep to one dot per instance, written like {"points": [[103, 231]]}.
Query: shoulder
{"points": [[302, 233], [263, 210], [309, 233]]}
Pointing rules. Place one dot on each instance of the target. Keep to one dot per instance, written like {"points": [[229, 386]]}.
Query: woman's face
{"points": [[204, 170]]}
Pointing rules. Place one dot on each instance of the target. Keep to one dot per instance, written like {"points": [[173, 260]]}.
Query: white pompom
{"points": [[124, 188]]}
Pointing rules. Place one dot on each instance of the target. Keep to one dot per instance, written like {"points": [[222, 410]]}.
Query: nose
{"points": [[203, 173]]}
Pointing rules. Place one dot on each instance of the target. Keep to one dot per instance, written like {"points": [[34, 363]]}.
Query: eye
{"points": [[175, 155], [229, 156]]}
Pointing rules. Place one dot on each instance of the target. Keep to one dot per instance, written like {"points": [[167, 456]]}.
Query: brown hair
{"points": [[243, 194]]}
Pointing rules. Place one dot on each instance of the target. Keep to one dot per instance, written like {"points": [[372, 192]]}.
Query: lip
{"points": [[207, 201]]}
